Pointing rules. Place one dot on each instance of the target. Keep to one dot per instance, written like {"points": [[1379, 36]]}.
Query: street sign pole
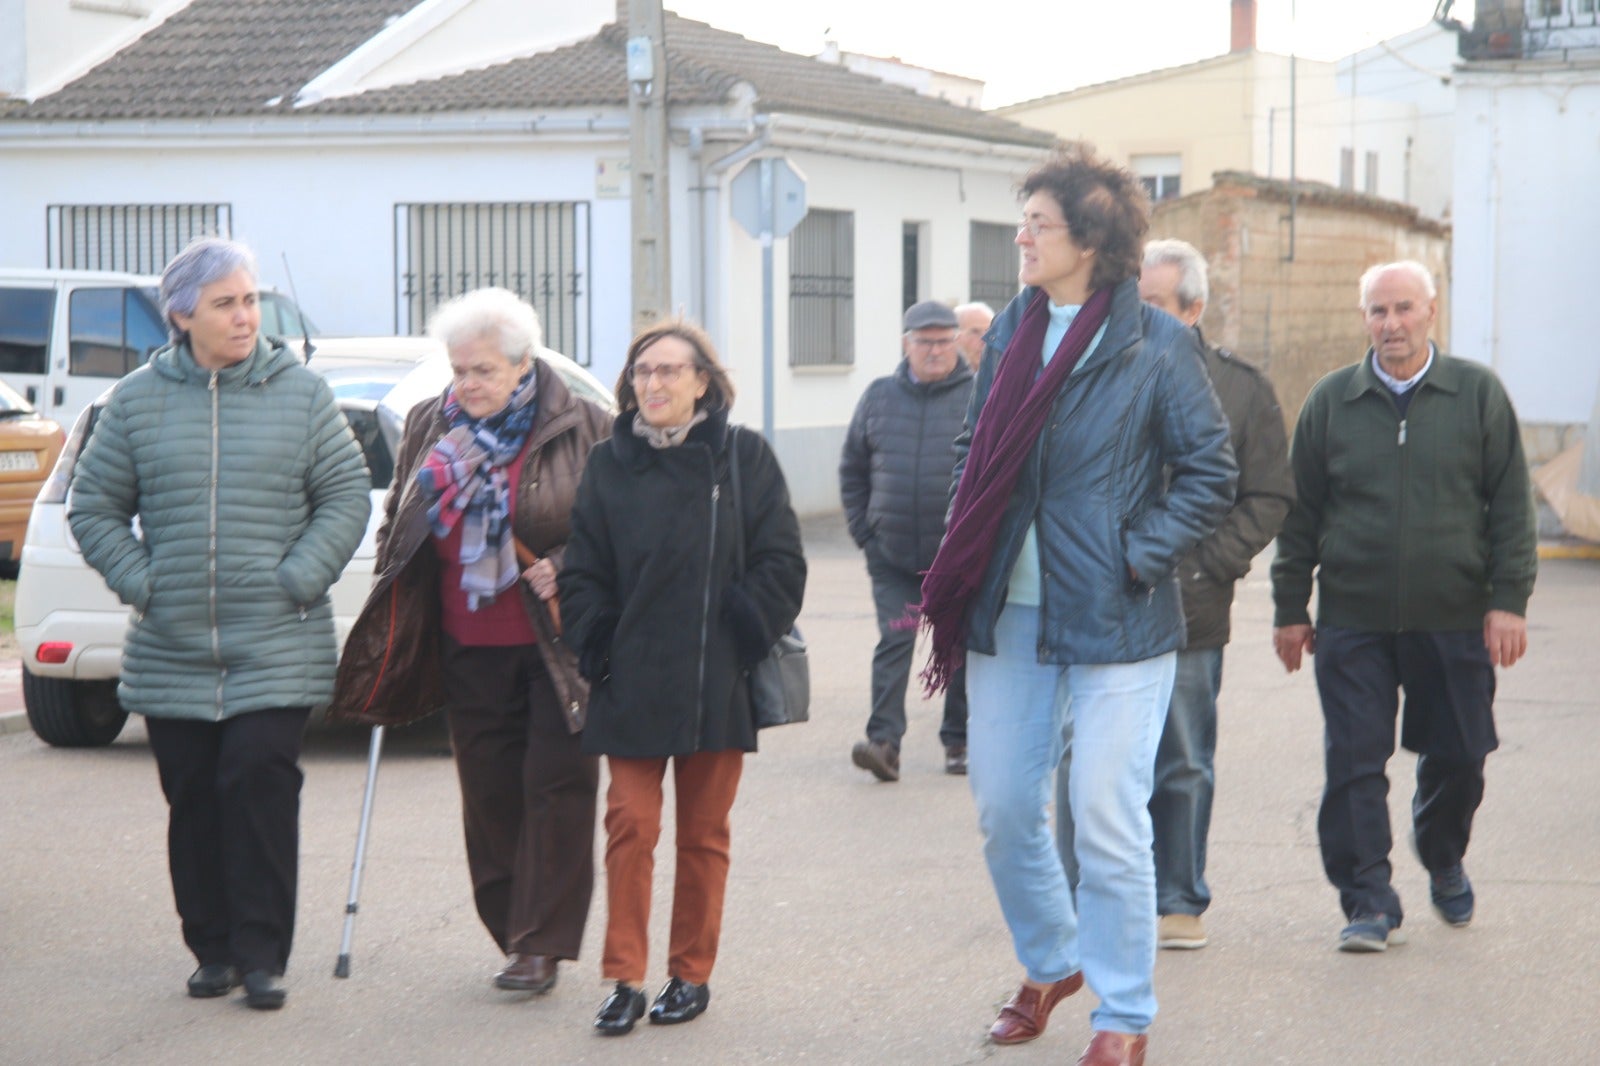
{"points": [[768, 342], [768, 199]]}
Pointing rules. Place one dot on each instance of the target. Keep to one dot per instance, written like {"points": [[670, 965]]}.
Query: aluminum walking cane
{"points": [[374, 752]]}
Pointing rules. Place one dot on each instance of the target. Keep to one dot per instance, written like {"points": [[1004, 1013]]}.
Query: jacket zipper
{"points": [[1404, 469], [705, 607], [211, 543]]}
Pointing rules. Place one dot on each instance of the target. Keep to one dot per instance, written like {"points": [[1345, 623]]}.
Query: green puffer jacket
{"points": [[251, 496]]}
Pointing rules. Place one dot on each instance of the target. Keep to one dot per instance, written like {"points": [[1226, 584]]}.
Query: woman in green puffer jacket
{"points": [[251, 495]]}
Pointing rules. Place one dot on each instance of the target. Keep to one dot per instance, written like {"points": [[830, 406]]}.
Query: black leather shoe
{"points": [[622, 1008], [679, 1001], [212, 980], [263, 990]]}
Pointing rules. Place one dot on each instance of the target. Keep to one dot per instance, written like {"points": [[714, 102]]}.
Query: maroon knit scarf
{"points": [[1012, 417]]}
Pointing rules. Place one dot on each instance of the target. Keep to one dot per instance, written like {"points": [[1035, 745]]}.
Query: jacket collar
{"points": [[1124, 324], [272, 356], [961, 375], [1444, 375], [711, 434]]}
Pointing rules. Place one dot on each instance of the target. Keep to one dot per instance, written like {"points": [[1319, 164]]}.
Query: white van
{"points": [[67, 335]]}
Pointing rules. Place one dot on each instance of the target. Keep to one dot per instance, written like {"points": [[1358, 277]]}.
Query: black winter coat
{"points": [[647, 569], [895, 469]]}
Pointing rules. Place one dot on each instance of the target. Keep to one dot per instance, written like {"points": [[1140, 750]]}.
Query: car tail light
{"points": [[53, 651]]}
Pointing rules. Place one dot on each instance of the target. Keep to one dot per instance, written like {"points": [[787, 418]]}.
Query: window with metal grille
{"points": [[994, 263], [135, 238], [540, 251], [822, 289]]}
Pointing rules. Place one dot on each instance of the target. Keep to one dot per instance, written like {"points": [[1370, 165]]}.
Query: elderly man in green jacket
{"points": [[251, 496], [1415, 512]]}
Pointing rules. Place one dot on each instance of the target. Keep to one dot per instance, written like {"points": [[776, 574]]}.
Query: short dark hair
{"points": [[719, 391], [1105, 207]]}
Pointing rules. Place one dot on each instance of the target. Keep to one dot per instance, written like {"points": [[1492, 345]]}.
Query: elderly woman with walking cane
{"points": [[1095, 456], [461, 616]]}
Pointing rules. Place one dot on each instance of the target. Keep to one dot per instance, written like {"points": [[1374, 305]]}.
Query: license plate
{"points": [[28, 461]]}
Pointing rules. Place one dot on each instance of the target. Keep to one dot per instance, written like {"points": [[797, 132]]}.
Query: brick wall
{"points": [[1297, 319]]}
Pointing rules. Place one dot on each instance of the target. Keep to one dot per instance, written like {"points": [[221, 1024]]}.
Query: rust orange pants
{"points": [[705, 784]]}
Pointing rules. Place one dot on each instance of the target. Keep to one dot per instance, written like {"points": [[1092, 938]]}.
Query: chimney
{"points": [[1244, 26]]}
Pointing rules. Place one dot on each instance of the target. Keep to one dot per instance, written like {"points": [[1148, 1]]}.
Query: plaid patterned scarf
{"points": [[464, 478]]}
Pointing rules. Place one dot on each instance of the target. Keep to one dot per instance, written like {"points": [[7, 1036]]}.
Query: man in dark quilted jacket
{"points": [[894, 478]]}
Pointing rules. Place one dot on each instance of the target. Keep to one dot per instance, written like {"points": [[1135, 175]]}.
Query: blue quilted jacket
{"points": [[1132, 468]]}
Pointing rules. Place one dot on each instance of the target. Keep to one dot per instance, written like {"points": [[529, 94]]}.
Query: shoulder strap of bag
{"points": [[738, 503]]}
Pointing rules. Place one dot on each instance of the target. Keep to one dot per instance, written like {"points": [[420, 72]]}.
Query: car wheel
{"points": [[73, 714]]}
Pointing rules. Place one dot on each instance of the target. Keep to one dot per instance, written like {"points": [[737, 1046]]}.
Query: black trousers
{"points": [[1449, 684], [527, 799], [894, 591], [233, 832]]}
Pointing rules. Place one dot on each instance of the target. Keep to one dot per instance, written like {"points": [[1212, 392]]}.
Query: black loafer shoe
{"points": [[212, 980], [622, 1008], [679, 1001], [263, 990]]}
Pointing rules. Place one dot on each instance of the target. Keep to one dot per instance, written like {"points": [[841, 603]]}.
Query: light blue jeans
{"points": [[1026, 719]]}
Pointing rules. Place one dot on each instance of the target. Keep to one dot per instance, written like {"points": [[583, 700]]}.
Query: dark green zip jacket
{"points": [[1424, 522]]}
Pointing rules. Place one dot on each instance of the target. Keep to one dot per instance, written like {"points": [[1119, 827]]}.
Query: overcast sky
{"points": [[1024, 48]]}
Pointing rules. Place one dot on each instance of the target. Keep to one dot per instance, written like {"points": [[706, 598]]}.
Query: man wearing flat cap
{"points": [[894, 478]]}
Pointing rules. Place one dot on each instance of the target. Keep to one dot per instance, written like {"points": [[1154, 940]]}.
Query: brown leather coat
{"points": [[389, 672]]}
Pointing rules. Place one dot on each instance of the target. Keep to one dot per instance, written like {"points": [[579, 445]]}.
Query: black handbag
{"points": [[780, 684]]}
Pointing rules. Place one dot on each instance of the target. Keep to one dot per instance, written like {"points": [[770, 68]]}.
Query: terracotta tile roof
{"points": [[232, 57], [219, 57]]}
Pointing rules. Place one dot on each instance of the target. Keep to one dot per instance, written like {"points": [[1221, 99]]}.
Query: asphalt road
{"points": [[860, 925]]}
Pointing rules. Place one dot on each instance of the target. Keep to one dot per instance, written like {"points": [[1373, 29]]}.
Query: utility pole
{"points": [[647, 132]]}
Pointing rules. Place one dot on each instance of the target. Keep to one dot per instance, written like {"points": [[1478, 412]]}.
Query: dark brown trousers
{"points": [[705, 784], [527, 799]]}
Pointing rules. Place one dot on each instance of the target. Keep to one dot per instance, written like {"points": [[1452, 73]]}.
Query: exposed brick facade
{"points": [[1297, 319]]}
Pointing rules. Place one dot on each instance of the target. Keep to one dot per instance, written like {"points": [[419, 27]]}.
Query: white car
{"points": [[71, 627]]}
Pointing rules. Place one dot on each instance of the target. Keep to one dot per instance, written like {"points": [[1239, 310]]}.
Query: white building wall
{"points": [[814, 404], [329, 209], [1403, 106], [327, 203], [1526, 164]]}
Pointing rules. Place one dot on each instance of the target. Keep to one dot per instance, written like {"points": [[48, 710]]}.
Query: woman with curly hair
{"points": [[1095, 455]]}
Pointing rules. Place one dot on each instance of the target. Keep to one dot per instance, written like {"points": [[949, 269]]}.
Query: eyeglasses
{"points": [[1035, 227], [641, 373]]}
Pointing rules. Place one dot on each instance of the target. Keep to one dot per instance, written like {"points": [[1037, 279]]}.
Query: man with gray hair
{"points": [[972, 322], [894, 478], [1414, 512], [1173, 278]]}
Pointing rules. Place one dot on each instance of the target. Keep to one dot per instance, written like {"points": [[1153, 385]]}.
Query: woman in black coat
{"points": [[667, 628]]}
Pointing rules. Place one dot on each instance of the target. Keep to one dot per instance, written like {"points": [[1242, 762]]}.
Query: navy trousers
{"points": [[1448, 721], [894, 592]]}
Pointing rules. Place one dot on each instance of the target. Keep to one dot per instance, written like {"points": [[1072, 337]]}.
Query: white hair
{"points": [[1408, 266], [1193, 287], [499, 314], [974, 305]]}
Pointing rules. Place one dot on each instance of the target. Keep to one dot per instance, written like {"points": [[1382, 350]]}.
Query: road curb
{"points": [[13, 722]]}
